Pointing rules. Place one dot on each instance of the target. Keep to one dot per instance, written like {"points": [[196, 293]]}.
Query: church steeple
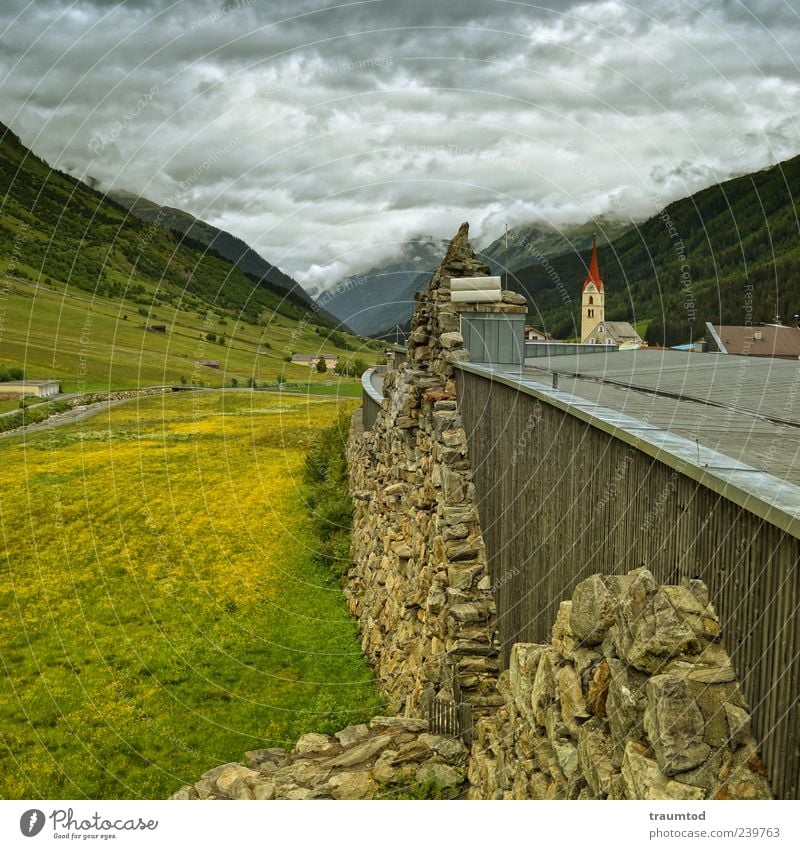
{"points": [[594, 269], [593, 302]]}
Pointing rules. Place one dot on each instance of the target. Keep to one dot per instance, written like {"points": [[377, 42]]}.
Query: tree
{"points": [[322, 365]]}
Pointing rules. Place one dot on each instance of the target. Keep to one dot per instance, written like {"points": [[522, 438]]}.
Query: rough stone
{"points": [[674, 725], [353, 785], [594, 608], [312, 744], [361, 752], [451, 340], [643, 779], [352, 734], [649, 631]]}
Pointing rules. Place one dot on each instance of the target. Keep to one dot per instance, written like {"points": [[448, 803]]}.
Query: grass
{"points": [[94, 343], [162, 606]]}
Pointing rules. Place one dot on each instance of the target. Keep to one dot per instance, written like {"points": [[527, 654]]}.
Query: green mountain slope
{"points": [[728, 254], [225, 244], [83, 284], [54, 226]]}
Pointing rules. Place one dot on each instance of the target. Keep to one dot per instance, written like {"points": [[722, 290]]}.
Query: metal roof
{"points": [[763, 340], [745, 408]]}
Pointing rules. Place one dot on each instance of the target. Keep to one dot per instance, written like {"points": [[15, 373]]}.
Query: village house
{"points": [[311, 360]]}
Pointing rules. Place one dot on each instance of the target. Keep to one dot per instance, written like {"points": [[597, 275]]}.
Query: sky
{"points": [[326, 134]]}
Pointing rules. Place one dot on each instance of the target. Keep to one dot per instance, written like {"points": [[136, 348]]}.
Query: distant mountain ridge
{"points": [[379, 300], [384, 295], [530, 243], [225, 244]]}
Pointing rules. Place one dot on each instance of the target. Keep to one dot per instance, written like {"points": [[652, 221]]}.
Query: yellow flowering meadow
{"points": [[162, 609]]}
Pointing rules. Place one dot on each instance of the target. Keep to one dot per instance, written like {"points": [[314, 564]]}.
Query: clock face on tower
{"points": [[591, 288]]}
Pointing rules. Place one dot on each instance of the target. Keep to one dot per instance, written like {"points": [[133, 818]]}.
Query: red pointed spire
{"points": [[594, 269]]}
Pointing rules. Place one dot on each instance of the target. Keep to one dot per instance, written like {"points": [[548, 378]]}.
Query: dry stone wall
{"points": [[634, 698], [419, 586], [392, 757]]}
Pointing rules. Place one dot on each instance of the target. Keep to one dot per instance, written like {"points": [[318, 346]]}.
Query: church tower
{"points": [[593, 302]]}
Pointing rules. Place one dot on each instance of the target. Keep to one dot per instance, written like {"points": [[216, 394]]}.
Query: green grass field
{"points": [[94, 343], [162, 607]]}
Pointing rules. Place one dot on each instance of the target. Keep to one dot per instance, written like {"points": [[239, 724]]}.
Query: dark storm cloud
{"points": [[314, 129]]}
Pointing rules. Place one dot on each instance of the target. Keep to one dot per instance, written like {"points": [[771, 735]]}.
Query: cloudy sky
{"points": [[325, 133]]}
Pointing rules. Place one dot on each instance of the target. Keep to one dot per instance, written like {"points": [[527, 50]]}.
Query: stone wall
{"points": [[393, 757], [634, 698], [419, 586]]}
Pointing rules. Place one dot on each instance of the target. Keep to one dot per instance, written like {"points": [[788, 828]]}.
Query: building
{"points": [[536, 334], [311, 360], [595, 330], [765, 340], [22, 388], [593, 296]]}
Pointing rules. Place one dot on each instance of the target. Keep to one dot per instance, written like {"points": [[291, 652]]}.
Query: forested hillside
{"points": [[729, 254]]}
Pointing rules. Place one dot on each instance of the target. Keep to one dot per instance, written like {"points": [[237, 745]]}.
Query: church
{"points": [[595, 329]]}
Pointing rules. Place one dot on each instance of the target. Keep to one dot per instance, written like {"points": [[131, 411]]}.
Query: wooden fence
{"points": [[560, 499]]}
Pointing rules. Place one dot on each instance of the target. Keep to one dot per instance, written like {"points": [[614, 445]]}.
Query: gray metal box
{"points": [[495, 338]]}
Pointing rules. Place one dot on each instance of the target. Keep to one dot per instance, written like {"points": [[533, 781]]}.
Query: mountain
{"points": [[53, 226], [377, 301], [531, 243], [383, 296], [223, 243], [729, 254]]}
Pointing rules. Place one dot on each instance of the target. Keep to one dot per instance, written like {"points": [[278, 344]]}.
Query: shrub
{"points": [[327, 496], [11, 373]]}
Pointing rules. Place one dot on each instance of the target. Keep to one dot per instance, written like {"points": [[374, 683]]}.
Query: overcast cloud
{"points": [[324, 134]]}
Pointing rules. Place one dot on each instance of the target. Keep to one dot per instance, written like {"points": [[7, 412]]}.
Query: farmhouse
{"points": [[40, 388], [311, 360]]}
